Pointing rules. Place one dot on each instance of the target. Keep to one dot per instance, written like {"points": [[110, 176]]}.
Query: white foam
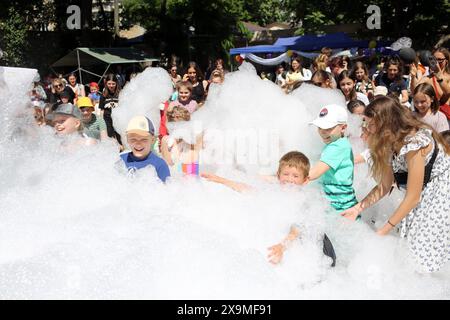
{"points": [[72, 225]]}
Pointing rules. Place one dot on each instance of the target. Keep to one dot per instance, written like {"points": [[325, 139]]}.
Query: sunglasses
{"points": [[58, 86]]}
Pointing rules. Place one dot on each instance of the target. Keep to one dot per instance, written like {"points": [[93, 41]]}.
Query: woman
{"points": [[297, 73], [108, 101], [174, 76], [58, 88], [392, 79], [195, 76], [78, 89], [407, 151]]}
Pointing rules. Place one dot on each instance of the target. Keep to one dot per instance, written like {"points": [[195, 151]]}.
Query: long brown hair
{"points": [[393, 123], [446, 54], [345, 74], [360, 65], [106, 92]]}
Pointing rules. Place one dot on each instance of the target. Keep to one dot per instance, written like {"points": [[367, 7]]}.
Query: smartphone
{"points": [[433, 64]]}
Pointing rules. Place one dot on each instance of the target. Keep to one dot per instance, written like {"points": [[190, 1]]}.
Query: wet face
{"points": [[140, 145], [112, 85], [72, 80], [440, 57], [291, 175], [86, 114], [346, 86], [332, 134], [359, 73], [184, 94], [392, 71], [422, 102], [65, 124], [192, 74]]}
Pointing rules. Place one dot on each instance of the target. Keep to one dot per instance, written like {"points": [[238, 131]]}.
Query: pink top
{"points": [[191, 105]]}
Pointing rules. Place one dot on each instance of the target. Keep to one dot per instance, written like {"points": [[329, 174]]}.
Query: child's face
{"points": [[346, 86], [184, 94], [422, 102], [359, 110], [291, 175], [72, 80], [140, 145], [65, 124], [332, 134], [359, 73], [93, 89], [64, 100], [86, 113]]}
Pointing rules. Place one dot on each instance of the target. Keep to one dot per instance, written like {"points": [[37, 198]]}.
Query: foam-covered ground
{"points": [[74, 226]]}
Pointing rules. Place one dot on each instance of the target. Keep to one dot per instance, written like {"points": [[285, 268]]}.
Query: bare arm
{"points": [[276, 251], [236, 186], [103, 135], [416, 172], [165, 151], [318, 170]]}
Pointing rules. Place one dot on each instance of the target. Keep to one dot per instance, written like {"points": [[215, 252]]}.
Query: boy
{"points": [[141, 136], [335, 167], [293, 168], [94, 126]]}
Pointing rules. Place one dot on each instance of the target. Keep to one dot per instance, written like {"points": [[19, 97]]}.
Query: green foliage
{"points": [[14, 31]]}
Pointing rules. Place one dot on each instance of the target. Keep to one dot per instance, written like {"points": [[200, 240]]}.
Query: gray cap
{"points": [[67, 109]]}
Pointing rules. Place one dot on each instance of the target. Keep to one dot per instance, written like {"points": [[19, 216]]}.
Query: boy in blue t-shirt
{"points": [[335, 167], [141, 136]]}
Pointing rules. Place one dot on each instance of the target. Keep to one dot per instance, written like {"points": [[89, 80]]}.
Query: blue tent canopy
{"points": [[305, 43]]}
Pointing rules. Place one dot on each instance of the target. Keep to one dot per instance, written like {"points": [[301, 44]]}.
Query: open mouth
{"points": [[139, 149]]}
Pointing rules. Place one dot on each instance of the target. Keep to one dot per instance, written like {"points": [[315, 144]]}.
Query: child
{"points": [[336, 161], [356, 107], [293, 169], [347, 86], [141, 136], [184, 97], [94, 126], [360, 74], [94, 95], [426, 107]]}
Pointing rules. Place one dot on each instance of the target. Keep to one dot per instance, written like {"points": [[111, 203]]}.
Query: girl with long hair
{"points": [[348, 88], [108, 101], [426, 107], [406, 150]]}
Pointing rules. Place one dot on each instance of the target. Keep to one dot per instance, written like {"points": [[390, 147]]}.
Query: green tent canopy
{"points": [[93, 57]]}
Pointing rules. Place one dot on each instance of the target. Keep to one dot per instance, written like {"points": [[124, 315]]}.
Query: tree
{"points": [[14, 32]]}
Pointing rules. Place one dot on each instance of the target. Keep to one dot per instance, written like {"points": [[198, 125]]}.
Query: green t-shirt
{"points": [[338, 180], [92, 128]]}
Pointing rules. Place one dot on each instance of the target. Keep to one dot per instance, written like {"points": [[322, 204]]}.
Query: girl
{"points": [[280, 76], [181, 157], [356, 107], [407, 151], [297, 73], [94, 96], [108, 101], [360, 74], [184, 97], [195, 76], [78, 89], [426, 107], [347, 86], [321, 63]]}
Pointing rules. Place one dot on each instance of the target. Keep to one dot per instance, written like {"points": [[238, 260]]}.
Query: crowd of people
{"points": [[404, 105]]}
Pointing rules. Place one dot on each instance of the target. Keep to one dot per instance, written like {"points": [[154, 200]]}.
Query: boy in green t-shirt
{"points": [[335, 167]]}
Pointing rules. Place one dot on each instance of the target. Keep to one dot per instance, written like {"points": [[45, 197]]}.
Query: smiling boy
{"points": [[335, 167], [141, 136]]}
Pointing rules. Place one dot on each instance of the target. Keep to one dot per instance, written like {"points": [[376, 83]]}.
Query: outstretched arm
{"points": [[318, 170], [276, 251], [236, 186]]}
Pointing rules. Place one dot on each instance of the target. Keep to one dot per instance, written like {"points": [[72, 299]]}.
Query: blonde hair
{"points": [[321, 61], [185, 115], [184, 84], [295, 159], [393, 123]]}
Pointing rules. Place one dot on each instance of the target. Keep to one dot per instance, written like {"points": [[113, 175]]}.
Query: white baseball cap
{"points": [[141, 125], [330, 116]]}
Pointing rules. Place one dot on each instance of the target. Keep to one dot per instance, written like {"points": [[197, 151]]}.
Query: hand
{"points": [[352, 213], [384, 230], [276, 253], [185, 77], [210, 177], [413, 70]]}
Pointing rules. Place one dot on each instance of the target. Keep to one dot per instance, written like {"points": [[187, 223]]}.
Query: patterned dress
{"points": [[427, 227]]}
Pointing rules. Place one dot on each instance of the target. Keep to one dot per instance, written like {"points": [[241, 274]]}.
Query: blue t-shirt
{"points": [[162, 170], [338, 180]]}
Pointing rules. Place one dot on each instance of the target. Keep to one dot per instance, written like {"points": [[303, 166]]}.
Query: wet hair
{"points": [[295, 159], [428, 89], [352, 105], [186, 116]]}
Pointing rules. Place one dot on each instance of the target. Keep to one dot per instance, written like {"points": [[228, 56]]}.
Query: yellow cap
{"points": [[84, 102]]}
